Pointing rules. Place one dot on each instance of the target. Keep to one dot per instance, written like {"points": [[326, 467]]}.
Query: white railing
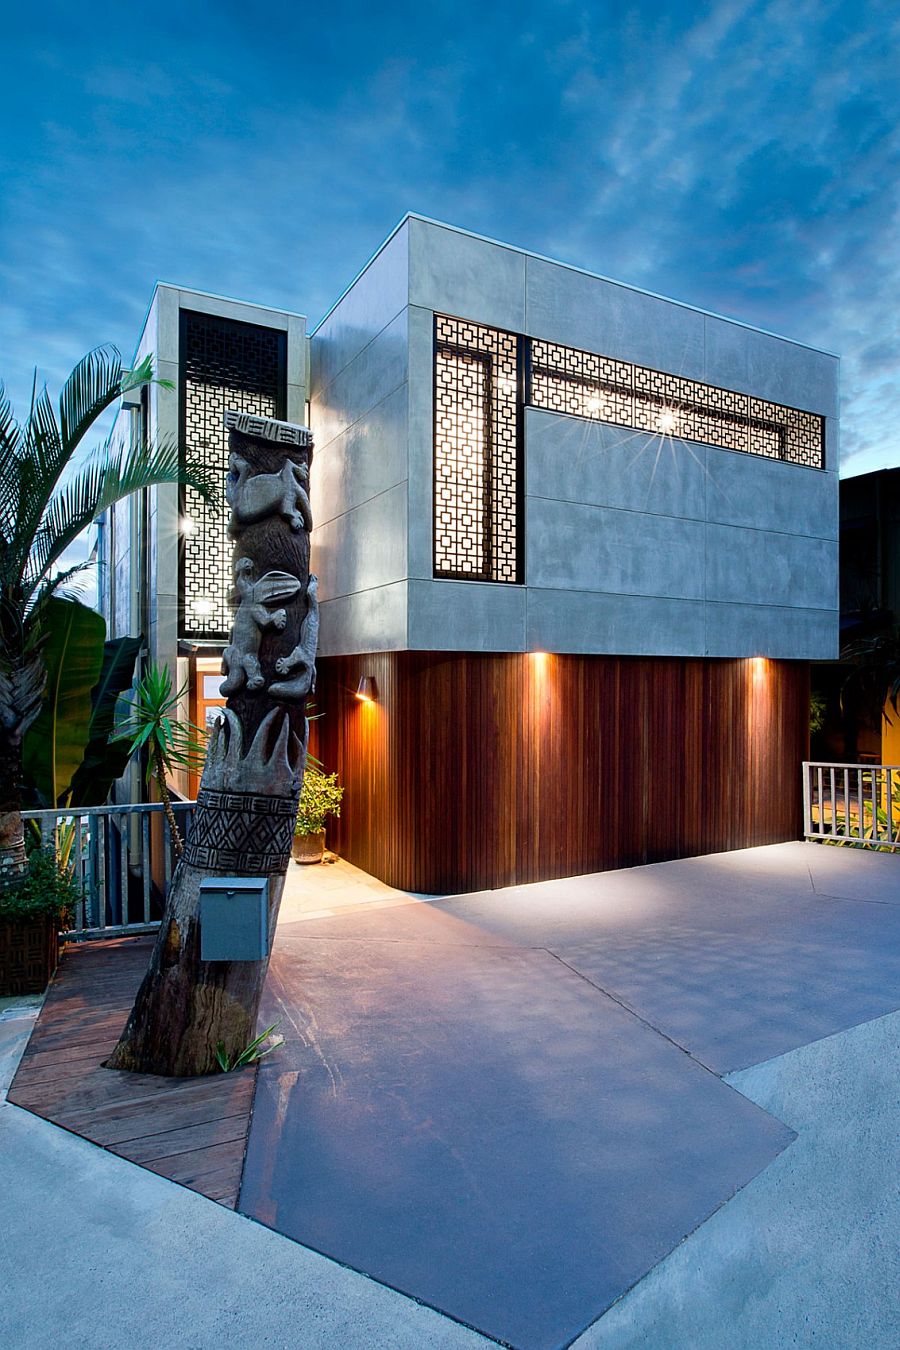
{"points": [[852, 803], [122, 858]]}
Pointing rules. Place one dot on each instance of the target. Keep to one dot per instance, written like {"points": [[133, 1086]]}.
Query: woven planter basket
{"points": [[29, 952]]}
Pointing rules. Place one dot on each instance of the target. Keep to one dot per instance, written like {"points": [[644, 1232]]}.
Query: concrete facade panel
{"points": [[421, 442], [364, 460], [760, 567], [579, 310], [592, 548], [583, 622], [457, 274], [764, 630], [742, 358], [572, 459], [466, 616], [752, 491], [369, 621], [373, 374], [364, 548]]}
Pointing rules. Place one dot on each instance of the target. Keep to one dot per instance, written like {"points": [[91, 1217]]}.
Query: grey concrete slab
{"points": [[785, 633], [562, 620], [455, 273], [579, 310], [372, 375], [770, 495], [363, 461], [100, 1254], [572, 546], [465, 616], [807, 1255], [742, 358], [362, 549], [373, 620], [737, 957], [763, 567], [482, 1128], [574, 459]]}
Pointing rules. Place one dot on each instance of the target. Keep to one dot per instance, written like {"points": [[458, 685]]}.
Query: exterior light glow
{"points": [[202, 607], [188, 525], [667, 421], [366, 690]]}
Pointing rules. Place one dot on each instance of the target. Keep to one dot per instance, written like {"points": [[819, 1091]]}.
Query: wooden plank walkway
{"points": [[191, 1130]]}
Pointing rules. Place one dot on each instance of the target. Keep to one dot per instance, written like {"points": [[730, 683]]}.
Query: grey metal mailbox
{"points": [[234, 919]]}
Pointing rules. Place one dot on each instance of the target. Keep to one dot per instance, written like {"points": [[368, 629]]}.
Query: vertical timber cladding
{"points": [[224, 363], [474, 771]]}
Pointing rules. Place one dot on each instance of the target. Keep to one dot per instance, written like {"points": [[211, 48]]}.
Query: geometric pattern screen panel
{"points": [[563, 379], [224, 364], [477, 448]]}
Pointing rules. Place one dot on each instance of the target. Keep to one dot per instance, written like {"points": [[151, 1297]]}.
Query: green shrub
{"points": [[46, 889], [321, 797]]}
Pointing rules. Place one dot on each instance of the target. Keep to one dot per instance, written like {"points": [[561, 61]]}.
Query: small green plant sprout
{"points": [[251, 1053], [320, 797], [171, 742]]}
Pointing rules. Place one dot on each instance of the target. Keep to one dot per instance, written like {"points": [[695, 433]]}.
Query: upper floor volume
{"points": [[512, 454]]}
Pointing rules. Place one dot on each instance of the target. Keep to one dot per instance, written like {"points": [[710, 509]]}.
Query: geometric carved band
{"points": [[241, 832]]}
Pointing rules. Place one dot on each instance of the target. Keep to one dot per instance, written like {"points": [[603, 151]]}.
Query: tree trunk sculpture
{"points": [[247, 803]]}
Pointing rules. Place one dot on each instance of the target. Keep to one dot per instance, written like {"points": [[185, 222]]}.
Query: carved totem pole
{"points": [[247, 804]]}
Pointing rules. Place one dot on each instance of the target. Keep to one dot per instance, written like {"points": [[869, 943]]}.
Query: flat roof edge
{"points": [[571, 267], [206, 295]]}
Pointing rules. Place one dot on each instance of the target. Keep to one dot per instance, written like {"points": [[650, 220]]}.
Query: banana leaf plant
{"points": [[69, 755], [49, 494]]}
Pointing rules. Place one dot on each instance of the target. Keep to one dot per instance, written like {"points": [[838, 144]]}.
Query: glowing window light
{"points": [[604, 389]]}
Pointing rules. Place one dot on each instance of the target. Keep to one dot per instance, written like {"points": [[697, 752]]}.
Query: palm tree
{"points": [[155, 725], [46, 502]]}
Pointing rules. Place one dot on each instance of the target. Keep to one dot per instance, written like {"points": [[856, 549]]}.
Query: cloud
{"points": [[743, 157]]}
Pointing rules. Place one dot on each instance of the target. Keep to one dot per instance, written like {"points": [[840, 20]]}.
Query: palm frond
{"points": [[94, 385], [105, 479], [54, 586]]}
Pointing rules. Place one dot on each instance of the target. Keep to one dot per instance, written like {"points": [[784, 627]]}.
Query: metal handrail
{"points": [[121, 860], [856, 804]]}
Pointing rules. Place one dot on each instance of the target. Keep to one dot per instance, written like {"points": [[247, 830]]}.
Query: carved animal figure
{"points": [[303, 658], [240, 660], [252, 497]]}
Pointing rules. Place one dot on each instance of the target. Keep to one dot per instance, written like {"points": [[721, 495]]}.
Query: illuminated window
{"points": [[563, 379], [477, 416], [224, 364]]}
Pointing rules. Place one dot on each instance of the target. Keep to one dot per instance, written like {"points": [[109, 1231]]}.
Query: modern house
{"points": [[576, 546]]}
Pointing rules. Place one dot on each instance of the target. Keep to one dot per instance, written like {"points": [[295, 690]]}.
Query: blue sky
{"points": [[741, 156]]}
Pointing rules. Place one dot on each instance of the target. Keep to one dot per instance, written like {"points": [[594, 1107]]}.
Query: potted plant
{"points": [[320, 798], [31, 915]]}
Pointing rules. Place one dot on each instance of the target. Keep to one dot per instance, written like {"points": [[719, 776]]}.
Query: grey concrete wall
{"points": [[159, 339], [359, 390], [633, 545]]}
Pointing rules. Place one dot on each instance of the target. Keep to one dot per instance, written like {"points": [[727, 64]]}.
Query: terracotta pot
{"points": [[29, 952], [308, 848]]}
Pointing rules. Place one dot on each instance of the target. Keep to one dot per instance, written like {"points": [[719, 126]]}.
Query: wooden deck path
{"points": [[191, 1130]]}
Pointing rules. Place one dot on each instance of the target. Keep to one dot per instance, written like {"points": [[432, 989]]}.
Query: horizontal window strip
{"points": [[602, 389]]}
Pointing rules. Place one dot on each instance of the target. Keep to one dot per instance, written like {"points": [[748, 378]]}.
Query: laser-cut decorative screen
{"points": [[477, 446], [224, 364], [563, 379]]}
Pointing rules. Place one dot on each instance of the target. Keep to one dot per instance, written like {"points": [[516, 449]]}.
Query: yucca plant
{"points": [[47, 499], [155, 725]]}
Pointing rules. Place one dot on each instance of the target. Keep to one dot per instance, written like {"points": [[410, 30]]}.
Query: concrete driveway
{"points": [[513, 1105], [463, 1111]]}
